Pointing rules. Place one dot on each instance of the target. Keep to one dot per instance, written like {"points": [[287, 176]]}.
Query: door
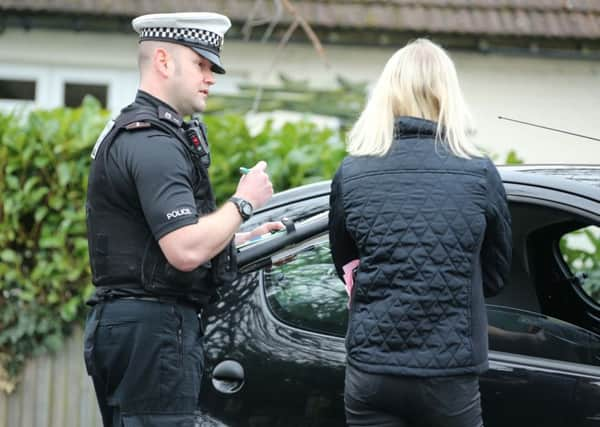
{"points": [[275, 347]]}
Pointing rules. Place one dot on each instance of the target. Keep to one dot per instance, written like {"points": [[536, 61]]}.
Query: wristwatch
{"points": [[244, 207]]}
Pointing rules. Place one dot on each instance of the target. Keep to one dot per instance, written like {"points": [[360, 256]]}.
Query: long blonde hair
{"points": [[419, 80]]}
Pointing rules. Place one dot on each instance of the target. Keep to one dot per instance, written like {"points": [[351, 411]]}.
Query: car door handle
{"points": [[228, 377]]}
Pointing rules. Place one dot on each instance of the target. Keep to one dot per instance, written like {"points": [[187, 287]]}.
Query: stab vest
{"points": [[123, 251]]}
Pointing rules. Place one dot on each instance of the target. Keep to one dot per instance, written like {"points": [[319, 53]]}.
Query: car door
{"points": [[275, 351], [552, 327], [275, 347], [537, 364], [291, 350]]}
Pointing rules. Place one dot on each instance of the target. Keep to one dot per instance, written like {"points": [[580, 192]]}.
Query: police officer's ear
{"points": [[163, 61]]}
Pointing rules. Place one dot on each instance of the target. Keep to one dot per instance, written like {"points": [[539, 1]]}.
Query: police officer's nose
{"points": [[209, 78]]}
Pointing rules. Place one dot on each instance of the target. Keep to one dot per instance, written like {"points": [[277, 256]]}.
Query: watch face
{"points": [[244, 207], [247, 209]]}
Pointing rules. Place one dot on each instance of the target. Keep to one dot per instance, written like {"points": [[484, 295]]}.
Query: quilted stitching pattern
{"points": [[418, 216]]}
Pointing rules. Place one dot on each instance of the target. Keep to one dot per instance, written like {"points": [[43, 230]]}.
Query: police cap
{"points": [[201, 31]]}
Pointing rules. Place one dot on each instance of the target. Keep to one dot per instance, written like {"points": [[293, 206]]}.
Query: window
{"points": [[23, 90], [532, 334], [75, 92], [580, 249], [305, 291]]}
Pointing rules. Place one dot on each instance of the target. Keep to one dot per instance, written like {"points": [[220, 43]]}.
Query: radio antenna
{"points": [[549, 128]]}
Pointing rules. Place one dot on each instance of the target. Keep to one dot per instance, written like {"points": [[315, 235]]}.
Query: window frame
{"points": [[288, 254], [282, 256], [566, 269], [546, 324], [571, 208], [66, 83], [565, 204], [25, 81]]}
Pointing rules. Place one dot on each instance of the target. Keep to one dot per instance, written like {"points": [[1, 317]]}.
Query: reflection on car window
{"points": [[581, 251], [305, 291], [531, 334]]}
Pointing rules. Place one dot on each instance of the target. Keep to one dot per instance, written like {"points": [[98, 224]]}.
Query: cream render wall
{"points": [[552, 92]]}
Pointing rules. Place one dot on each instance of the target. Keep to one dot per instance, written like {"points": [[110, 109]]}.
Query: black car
{"points": [[275, 341]]}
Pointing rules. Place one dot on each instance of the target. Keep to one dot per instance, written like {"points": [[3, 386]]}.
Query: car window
{"points": [[304, 290], [580, 249], [532, 334]]}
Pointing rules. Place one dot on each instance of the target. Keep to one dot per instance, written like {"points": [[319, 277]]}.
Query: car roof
{"points": [[297, 194], [582, 180], [585, 174], [578, 179]]}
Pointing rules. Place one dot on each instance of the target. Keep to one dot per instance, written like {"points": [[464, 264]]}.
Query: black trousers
{"points": [[146, 361], [390, 401]]}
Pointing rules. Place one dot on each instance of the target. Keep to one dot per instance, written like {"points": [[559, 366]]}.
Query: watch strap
{"points": [[243, 206]]}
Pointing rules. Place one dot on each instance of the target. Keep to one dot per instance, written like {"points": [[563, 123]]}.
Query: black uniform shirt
{"points": [[153, 173], [152, 176]]}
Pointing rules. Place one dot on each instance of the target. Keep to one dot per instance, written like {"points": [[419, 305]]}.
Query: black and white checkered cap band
{"points": [[189, 35]]}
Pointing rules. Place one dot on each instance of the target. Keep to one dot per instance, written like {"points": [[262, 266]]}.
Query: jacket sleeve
{"points": [[343, 247], [496, 253]]}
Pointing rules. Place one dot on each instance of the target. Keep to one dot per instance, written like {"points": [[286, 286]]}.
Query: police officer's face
{"points": [[191, 81]]}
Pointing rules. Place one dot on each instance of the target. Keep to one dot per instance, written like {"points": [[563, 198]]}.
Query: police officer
{"points": [[159, 247]]}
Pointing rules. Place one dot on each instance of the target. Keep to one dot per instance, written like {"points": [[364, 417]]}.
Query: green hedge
{"points": [[44, 161], [297, 153], [44, 274]]}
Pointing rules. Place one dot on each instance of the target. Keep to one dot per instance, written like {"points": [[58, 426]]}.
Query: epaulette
{"points": [[137, 125], [169, 116]]}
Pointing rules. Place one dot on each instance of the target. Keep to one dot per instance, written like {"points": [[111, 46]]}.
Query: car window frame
{"points": [[551, 329], [580, 206], [279, 256], [592, 303], [539, 196], [583, 369]]}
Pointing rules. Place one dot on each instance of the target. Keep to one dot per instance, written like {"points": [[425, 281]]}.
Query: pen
{"points": [[244, 170]]}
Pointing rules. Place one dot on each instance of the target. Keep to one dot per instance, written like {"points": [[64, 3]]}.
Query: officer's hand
{"points": [[265, 228], [255, 186]]}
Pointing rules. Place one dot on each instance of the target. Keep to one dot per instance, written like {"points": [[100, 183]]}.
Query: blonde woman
{"points": [[425, 214]]}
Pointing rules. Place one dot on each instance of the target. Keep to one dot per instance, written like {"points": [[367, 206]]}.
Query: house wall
{"points": [[558, 93]]}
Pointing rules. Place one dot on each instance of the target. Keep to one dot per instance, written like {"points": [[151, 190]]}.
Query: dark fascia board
{"points": [[65, 21], [509, 45]]}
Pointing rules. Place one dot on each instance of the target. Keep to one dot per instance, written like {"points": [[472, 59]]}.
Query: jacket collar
{"points": [[406, 126], [164, 111]]}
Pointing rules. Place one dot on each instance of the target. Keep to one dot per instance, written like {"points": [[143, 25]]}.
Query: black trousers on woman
{"points": [[392, 401]]}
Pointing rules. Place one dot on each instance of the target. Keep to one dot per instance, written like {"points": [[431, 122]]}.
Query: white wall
{"points": [[562, 94], [556, 93], [552, 92], [54, 57]]}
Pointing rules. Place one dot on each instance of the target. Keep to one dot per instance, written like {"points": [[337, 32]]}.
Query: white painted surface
{"points": [[557, 93]]}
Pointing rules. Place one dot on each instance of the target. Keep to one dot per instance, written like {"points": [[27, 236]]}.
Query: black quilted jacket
{"points": [[432, 232]]}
